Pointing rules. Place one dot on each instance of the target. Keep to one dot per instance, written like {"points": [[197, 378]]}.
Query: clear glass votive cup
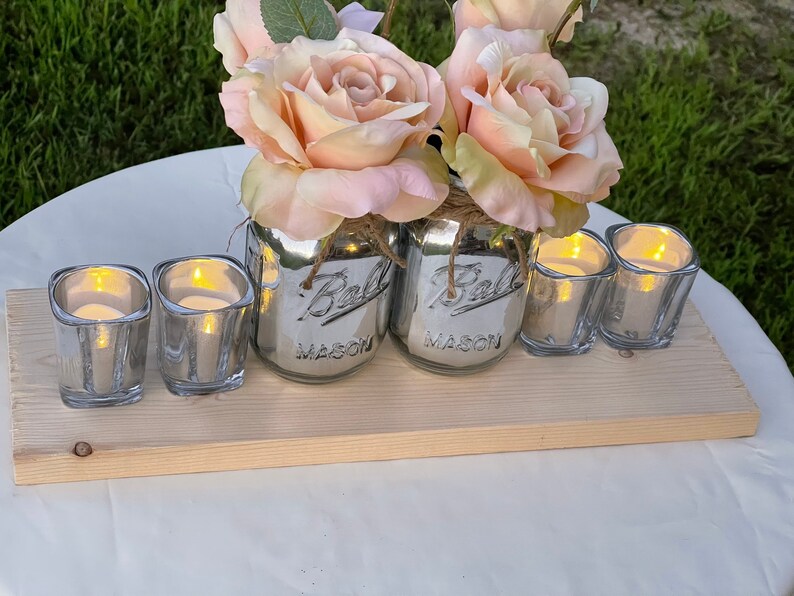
{"points": [[101, 317], [566, 294], [203, 317], [657, 266]]}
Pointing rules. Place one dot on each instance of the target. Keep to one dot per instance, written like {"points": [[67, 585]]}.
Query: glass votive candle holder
{"points": [[101, 333], [205, 306], [566, 294], [657, 266]]}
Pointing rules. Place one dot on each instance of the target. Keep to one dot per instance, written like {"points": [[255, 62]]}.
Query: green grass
{"points": [[705, 132]]}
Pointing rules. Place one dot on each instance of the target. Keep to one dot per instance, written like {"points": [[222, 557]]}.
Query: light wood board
{"points": [[390, 410]]}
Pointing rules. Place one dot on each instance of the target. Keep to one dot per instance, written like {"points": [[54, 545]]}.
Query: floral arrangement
{"points": [[341, 117]]}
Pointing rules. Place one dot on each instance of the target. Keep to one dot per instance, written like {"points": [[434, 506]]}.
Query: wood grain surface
{"points": [[390, 410]]}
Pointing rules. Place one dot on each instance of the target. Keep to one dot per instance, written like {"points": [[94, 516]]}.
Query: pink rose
{"points": [[528, 141], [341, 127], [514, 14], [240, 32]]}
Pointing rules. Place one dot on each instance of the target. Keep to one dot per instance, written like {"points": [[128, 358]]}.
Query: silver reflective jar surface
{"points": [[335, 328], [476, 328]]}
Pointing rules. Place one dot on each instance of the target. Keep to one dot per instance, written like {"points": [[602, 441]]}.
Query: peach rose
{"points": [[240, 32], [515, 14], [341, 127], [528, 141]]}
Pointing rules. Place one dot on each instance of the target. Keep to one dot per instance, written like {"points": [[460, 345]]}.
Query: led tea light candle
{"points": [[204, 315], [102, 332], [98, 312], [657, 266], [566, 294]]}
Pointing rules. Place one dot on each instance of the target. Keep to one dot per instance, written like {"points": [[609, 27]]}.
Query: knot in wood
{"points": [[626, 353], [83, 449]]}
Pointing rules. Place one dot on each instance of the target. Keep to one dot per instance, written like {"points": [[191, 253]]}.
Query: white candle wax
{"points": [[203, 303], [572, 267], [97, 312]]}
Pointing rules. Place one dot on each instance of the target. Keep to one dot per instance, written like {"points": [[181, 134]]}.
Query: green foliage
{"points": [[498, 236], [705, 132], [92, 87], [287, 19], [705, 135]]}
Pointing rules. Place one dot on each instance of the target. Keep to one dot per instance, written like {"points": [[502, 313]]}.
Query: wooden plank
{"points": [[388, 411]]}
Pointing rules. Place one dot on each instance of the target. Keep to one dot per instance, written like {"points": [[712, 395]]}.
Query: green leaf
{"points": [[593, 4], [287, 19], [570, 217], [502, 231]]}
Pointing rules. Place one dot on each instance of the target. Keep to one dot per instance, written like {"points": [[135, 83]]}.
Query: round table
{"points": [[710, 516]]}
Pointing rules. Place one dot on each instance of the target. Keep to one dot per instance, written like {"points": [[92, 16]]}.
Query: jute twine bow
{"points": [[370, 227], [459, 207]]}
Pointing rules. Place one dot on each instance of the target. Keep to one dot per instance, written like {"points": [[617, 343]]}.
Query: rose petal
{"points": [[355, 16], [468, 15], [295, 59], [505, 103], [436, 94], [597, 103], [500, 192], [228, 44], [504, 138], [383, 49], [514, 14], [374, 143], [236, 105], [538, 67], [268, 192], [417, 178], [463, 70], [580, 177], [349, 194], [245, 16], [316, 122], [411, 203], [272, 123]]}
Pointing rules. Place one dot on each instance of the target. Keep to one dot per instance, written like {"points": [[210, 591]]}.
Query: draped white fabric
{"points": [[701, 517]]}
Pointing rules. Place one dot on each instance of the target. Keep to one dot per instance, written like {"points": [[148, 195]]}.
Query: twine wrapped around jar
{"points": [[371, 228], [460, 207]]}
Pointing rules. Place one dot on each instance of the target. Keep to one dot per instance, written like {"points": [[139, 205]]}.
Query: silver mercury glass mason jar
{"points": [[474, 329], [335, 328]]}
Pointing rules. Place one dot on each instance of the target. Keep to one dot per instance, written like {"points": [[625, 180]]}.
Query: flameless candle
{"points": [[574, 267], [566, 292], [203, 350], [102, 328], [97, 312], [657, 266], [196, 302]]}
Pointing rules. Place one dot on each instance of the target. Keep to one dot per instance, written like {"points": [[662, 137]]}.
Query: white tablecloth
{"points": [[703, 517]]}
